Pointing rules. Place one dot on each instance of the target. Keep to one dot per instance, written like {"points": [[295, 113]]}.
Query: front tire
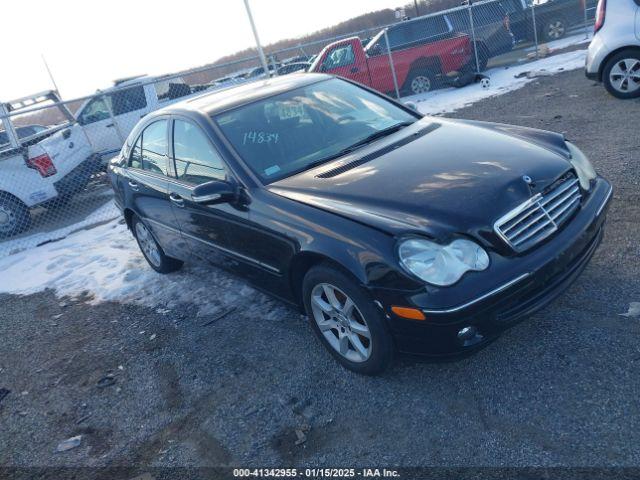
{"points": [[15, 217], [621, 75], [346, 320], [153, 253]]}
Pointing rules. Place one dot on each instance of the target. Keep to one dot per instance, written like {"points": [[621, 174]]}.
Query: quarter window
{"points": [[150, 150], [128, 100], [171, 89], [196, 159]]}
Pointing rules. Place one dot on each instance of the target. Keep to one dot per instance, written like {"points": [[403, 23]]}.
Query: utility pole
{"points": [[46, 65], [415, 2], [263, 59]]}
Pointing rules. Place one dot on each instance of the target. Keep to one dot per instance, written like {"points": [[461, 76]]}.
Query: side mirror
{"points": [[215, 192], [323, 68], [411, 105]]}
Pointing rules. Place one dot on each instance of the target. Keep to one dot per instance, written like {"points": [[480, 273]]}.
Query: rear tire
{"points": [[625, 64], [554, 29], [153, 253], [15, 216], [420, 81], [346, 320]]}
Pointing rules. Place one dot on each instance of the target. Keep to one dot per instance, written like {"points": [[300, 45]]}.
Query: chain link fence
{"points": [[53, 153]]}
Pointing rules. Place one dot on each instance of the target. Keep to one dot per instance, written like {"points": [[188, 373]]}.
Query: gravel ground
{"points": [[150, 387]]}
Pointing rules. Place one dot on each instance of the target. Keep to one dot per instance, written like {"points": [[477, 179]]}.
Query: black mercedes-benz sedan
{"points": [[394, 231]]}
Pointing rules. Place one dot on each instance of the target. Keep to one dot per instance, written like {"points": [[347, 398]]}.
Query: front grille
{"points": [[540, 216]]}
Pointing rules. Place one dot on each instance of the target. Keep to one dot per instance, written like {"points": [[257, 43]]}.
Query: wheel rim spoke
{"points": [[340, 322], [344, 345], [324, 306], [327, 325], [331, 296], [360, 329], [347, 308], [360, 349]]}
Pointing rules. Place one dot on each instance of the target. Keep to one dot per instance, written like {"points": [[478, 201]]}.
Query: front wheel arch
{"points": [[305, 261]]}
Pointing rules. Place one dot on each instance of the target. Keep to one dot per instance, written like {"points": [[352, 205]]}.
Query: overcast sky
{"points": [[89, 43]]}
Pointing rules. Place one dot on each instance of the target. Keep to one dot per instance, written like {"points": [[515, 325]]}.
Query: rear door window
{"points": [[405, 35], [128, 100], [150, 150]]}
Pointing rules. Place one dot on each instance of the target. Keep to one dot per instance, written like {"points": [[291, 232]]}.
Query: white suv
{"points": [[614, 52]]}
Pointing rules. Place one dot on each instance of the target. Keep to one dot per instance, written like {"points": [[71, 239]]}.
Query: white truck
{"points": [[39, 166], [108, 117]]}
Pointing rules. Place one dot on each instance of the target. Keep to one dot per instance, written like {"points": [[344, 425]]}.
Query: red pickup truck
{"points": [[419, 65]]}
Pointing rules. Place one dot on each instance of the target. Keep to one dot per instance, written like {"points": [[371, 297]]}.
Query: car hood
{"points": [[437, 177]]}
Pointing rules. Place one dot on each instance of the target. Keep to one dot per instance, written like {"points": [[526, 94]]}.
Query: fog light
{"points": [[469, 336]]}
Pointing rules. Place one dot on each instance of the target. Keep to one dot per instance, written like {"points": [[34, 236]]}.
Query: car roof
{"points": [[212, 103]]}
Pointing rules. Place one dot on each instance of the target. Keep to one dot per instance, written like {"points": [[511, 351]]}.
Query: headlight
{"points": [[583, 166], [441, 265]]}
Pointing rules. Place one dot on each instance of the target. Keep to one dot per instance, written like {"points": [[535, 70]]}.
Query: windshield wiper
{"points": [[379, 134], [370, 138]]}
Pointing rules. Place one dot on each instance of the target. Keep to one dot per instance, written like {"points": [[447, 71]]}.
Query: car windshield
{"points": [[288, 133]]}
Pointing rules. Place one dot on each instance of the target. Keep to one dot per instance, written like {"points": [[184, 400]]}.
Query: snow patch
{"points": [[502, 81], [577, 39], [106, 263], [105, 213]]}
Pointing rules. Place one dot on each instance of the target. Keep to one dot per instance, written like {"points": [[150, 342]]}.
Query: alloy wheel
{"points": [[8, 219], [625, 75], [148, 244], [341, 322], [421, 84], [555, 30]]}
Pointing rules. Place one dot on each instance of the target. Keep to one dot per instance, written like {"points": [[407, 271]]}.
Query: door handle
{"points": [[177, 199], [133, 185], [355, 70], [109, 125]]}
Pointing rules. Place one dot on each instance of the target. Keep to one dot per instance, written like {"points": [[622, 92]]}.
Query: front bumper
{"points": [[534, 282]]}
